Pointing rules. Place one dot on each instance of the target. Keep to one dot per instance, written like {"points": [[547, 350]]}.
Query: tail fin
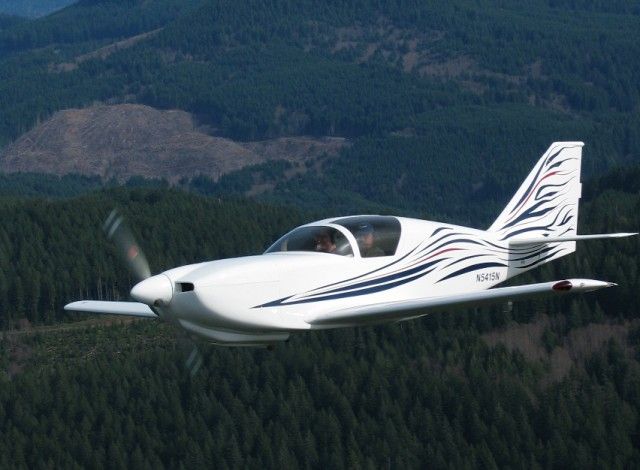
{"points": [[546, 205]]}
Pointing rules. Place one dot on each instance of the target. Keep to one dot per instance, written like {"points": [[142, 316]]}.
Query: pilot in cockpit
{"points": [[366, 241], [325, 242]]}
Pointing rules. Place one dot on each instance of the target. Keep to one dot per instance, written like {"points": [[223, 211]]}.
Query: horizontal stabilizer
{"points": [[405, 309], [132, 309], [569, 238]]}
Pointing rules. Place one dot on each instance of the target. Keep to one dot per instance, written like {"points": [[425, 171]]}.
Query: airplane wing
{"points": [[132, 309], [405, 309]]}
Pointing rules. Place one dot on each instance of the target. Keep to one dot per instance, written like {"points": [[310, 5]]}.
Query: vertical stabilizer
{"points": [[546, 205]]}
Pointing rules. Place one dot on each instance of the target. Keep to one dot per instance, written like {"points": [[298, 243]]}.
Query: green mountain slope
{"points": [[431, 393], [558, 389], [447, 106], [430, 93], [32, 8], [53, 252], [237, 63]]}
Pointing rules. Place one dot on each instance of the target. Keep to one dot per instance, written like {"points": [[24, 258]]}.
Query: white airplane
{"points": [[365, 269]]}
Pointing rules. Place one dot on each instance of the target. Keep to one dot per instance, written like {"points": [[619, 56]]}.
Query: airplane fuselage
{"points": [[365, 269], [263, 298]]}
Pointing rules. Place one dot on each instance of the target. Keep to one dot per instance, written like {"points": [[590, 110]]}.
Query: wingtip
{"points": [[73, 306], [626, 234], [582, 285]]}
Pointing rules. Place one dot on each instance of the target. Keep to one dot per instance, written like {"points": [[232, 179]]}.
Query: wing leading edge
{"points": [[405, 309], [131, 309]]}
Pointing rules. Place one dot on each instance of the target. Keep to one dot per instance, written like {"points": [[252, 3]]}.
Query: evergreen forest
{"points": [[446, 107], [541, 384]]}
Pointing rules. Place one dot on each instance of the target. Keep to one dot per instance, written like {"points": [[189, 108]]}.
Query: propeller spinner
{"points": [[154, 291]]}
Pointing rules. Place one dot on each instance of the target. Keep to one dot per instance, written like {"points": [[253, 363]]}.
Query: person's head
{"points": [[324, 242], [364, 235]]}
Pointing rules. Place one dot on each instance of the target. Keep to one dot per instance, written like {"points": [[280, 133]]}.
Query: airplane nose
{"points": [[155, 291]]}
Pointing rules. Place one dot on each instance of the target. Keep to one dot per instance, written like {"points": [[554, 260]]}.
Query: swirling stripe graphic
{"points": [[445, 257], [546, 207]]}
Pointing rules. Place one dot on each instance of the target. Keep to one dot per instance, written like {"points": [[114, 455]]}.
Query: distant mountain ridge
{"points": [[445, 103], [32, 8], [121, 141]]}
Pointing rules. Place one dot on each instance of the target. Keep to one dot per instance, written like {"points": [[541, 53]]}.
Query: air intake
{"points": [[184, 286]]}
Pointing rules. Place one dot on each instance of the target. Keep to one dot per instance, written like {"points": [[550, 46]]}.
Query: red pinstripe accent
{"points": [[533, 190], [443, 251]]}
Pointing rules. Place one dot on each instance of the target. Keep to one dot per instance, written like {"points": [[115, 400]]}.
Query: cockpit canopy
{"points": [[375, 235], [320, 239]]}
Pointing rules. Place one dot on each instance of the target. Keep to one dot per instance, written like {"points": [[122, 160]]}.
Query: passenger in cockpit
{"points": [[366, 241]]}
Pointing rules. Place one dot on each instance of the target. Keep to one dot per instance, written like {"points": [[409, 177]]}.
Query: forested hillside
{"points": [[559, 388], [445, 107], [481, 87], [53, 250], [426, 393], [32, 8]]}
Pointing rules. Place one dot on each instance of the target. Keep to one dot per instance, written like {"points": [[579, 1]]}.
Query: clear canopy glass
{"points": [[319, 239]]}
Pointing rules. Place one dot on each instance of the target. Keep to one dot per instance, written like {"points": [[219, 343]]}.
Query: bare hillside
{"points": [[126, 140]]}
